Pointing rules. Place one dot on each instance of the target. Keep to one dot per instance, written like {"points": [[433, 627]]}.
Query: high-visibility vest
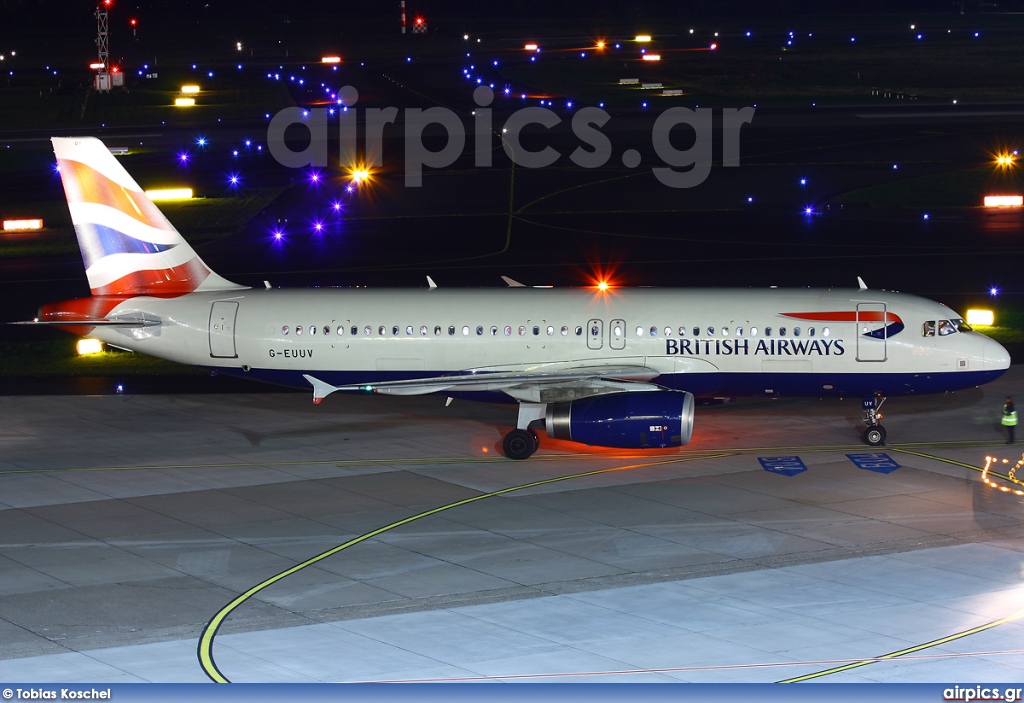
{"points": [[1009, 418]]}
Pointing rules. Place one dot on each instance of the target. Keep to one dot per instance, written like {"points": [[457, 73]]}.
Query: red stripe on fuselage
{"points": [[845, 316]]}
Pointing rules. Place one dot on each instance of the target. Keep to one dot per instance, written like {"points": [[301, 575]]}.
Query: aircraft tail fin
{"points": [[128, 246]]}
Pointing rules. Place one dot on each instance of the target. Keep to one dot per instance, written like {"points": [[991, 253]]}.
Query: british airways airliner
{"points": [[614, 368]]}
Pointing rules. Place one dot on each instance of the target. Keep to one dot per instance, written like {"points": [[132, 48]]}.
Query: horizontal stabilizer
{"points": [[104, 322]]}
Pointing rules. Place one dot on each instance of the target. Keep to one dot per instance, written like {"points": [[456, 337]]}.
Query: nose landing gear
{"points": [[874, 435]]}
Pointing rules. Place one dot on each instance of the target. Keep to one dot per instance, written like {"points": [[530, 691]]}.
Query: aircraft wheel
{"points": [[875, 436], [519, 444]]}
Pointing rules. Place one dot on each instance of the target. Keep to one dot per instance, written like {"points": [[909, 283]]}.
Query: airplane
{"points": [[604, 366]]}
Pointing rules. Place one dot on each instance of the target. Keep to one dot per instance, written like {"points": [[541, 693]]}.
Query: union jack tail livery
{"points": [[128, 246]]}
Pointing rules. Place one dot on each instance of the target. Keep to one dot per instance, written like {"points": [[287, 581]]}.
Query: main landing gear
{"points": [[874, 435], [522, 442]]}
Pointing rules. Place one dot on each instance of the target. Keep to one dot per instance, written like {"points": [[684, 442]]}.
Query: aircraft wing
{"points": [[527, 385], [97, 322]]}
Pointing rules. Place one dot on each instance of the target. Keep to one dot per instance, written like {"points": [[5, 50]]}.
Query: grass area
{"points": [[199, 219], [962, 188], [73, 104], [948, 63], [59, 358]]}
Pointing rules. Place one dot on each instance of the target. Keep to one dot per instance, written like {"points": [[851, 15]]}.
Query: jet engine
{"points": [[631, 420]]}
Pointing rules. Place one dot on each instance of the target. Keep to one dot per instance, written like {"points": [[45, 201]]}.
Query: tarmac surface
{"points": [[257, 538]]}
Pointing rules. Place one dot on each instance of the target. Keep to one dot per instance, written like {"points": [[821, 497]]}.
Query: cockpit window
{"points": [[928, 330], [962, 326], [946, 327]]}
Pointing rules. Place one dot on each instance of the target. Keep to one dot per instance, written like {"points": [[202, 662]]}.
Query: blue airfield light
{"points": [[183, 157], [600, 104], [750, 198], [993, 291], [314, 176], [248, 142], [808, 210], [408, 59], [920, 36], [616, 46], [336, 205], [533, 58], [278, 234], [645, 105], [803, 181], [569, 104], [895, 166], [479, 80], [318, 227], [583, 54], [235, 152], [925, 216], [977, 34], [495, 62], [748, 34], [201, 141], [853, 38], [210, 74], [507, 90], [233, 180], [330, 111]]}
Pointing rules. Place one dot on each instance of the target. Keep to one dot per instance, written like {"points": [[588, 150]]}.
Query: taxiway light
{"points": [[330, 59], [22, 225], [643, 38], [713, 47], [600, 45], [652, 57], [169, 194], [189, 89], [1004, 201], [96, 66], [602, 285], [87, 345], [184, 102], [984, 318], [530, 47], [1004, 160], [360, 175]]}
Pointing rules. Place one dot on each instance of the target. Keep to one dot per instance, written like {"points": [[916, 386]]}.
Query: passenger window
{"points": [[382, 330], [617, 331], [767, 331], [451, 330], [423, 330], [654, 331], [341, 330], [408, 330], [284, 330], [711, 331], [753, 331], [668, 331], [782, 331], [479, 330], [682, 331], [394, 331], [579, 331], [437, 330], [494, 331], [465, 330], [522, 330], [929, 329], [725, 331], [508, 331], [796, 331], [565, 330], [551, 330], [327, 330], [739, 331], [312, 329], [639, 331], [810, 331], [825, 332], [536, 330], [298, 329], [696, 331], [367, 330]]}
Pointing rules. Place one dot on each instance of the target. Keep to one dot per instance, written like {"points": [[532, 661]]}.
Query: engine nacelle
{"points": [[631, 420]]}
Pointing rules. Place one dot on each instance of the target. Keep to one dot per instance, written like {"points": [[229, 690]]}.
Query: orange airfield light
{"points": [[530, 47], [652, 57]]}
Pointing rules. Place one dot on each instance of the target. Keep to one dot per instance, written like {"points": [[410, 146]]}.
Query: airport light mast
{"points": [[103, 45]]}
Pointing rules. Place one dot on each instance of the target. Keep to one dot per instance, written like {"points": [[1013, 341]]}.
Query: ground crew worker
{"points": [[1009, 417]]}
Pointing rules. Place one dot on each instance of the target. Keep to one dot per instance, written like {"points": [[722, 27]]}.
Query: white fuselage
{"points": [[707, 341]]}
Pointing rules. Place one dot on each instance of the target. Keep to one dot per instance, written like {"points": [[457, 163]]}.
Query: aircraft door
{"points": [[222, 330], [617, 334], [872, 332], [595, 334]]}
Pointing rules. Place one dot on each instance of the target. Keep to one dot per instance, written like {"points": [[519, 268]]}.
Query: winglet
{"points": [[861, 283], [512, 283], [430, 282], [320, 389]]}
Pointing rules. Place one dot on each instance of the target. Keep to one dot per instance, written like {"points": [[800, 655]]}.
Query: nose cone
{"points": [[996, 356]]}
